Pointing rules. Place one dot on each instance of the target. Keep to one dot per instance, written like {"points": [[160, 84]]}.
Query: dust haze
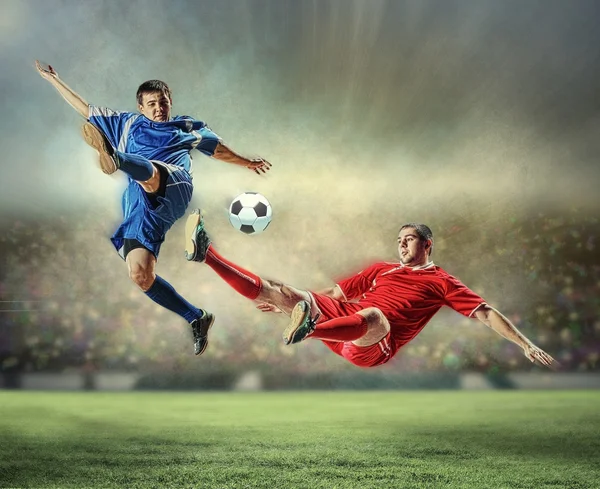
{"points": [[459, 114]]}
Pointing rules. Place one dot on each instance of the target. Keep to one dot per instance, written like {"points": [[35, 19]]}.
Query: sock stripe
{"points": [[384, 346], [231, 269]]}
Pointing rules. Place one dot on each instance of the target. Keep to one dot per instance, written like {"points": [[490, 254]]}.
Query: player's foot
{"points": [[301, 324], [197, 240], [200, 329], [109, 162]]}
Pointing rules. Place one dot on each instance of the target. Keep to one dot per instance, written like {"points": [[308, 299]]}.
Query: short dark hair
{"points": [[422, 230], [151, 86]]}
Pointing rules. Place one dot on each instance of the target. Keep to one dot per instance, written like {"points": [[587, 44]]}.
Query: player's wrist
{"points": [[526, 345]]}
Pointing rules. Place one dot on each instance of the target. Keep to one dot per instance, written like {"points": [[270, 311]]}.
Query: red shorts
{"points": [[362, 356]]}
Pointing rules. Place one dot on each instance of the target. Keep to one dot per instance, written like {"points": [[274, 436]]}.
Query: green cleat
{"points": [[301, 324], [197, 240]]}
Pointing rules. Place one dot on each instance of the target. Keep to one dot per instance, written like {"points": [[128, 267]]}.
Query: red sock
{"points": [[347, 328], [243, 281]]}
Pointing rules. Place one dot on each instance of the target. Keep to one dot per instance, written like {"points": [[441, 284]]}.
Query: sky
{"points": [[372, 113], [495, 99]]}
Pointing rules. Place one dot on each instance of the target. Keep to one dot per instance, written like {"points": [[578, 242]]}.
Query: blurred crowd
{"points": [[66, 302]]}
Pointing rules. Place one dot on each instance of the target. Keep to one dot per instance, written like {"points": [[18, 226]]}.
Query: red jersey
{"points": [[409, 297]]}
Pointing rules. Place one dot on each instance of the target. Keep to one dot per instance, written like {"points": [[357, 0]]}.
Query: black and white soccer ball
{"points": [[250, 213]]}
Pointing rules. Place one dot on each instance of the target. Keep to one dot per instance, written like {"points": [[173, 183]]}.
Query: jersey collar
{"points": [[419, 267]]}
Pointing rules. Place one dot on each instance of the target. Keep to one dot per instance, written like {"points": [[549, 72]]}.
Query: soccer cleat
{"points": [[301, 324], [200, 329], [109, 162], [197, 240]]}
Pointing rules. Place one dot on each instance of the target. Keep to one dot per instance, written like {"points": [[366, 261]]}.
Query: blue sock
{"points": [[137, 167], [163, 293]]}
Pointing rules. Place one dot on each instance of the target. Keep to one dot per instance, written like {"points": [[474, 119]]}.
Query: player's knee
{"points": [[142, 278], [153, 183], [375, 318]]}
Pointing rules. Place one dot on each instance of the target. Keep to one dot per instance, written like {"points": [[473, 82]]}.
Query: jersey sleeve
{"points": [[110, 122], [460, 298], [355, 286], [208, 139]]}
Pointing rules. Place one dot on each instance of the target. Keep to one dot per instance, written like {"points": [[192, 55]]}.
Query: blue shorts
{"points": [[148, 224]]}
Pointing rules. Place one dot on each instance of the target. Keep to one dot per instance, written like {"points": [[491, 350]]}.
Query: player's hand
{"points": [[264, 307], [258, 165], [46, 71], [534, 353]]}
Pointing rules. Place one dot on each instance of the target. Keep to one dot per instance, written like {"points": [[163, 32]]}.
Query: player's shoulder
{"points": [[446, 276], [440, 272], [384, 266], [189, 123], [374, 268], [187, 118]]}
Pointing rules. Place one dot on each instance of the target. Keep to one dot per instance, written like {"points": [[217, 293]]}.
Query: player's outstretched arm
{"points": [[50, 74], [226, 154], [501, 325]]}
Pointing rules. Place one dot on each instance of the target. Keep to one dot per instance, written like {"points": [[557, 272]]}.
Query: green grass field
{"points": [[499, 439]]}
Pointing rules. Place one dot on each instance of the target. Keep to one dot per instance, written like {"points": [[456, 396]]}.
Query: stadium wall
{"points": [[257, 381]]}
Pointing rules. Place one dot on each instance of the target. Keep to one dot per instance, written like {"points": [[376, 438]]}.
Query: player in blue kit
{"points": [[153, 149]]}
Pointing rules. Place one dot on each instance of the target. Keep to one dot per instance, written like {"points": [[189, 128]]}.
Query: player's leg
{"points": [[111, 160], [141, 264], [140, 169], [364, 328], [271, 291], [199, 248], [281, 295], [147, 219], [378, 327]]}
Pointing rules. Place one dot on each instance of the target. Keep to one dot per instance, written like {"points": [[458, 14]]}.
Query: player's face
{"points": [[411, 248], [156, 106]]}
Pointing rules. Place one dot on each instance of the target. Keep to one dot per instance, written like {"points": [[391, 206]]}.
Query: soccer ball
{"points": [[250, 213]]}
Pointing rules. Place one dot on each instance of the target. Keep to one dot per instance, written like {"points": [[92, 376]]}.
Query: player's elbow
{"points": [[484, 314], [222, 152], [84, 111]]}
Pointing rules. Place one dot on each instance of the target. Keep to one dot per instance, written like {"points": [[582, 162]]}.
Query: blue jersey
{"points": [[169, 142], [164, 143]]}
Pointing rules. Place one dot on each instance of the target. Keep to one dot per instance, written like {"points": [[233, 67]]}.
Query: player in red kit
{"points": [[368, 317]]}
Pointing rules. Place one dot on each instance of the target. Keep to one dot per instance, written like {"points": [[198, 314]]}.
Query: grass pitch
{"points": [[295, 440]]}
